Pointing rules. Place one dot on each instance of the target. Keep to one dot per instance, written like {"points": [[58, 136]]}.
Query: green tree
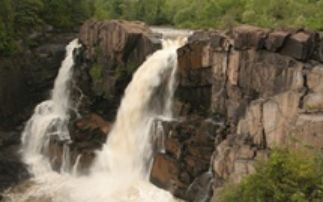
{"points": [[295, 176]]}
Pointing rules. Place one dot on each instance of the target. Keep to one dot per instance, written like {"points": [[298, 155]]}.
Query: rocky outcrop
{"points": [[264, 83], [113, 50], [88, 134], [239, 95]]}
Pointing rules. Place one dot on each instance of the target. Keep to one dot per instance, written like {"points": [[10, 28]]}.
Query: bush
{"points": [[295, 176]]}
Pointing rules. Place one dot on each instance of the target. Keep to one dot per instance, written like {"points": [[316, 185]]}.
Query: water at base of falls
{"points": [[121, 170]]}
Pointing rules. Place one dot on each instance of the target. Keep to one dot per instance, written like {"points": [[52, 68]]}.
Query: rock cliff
{"points": [[240, 93], [264, 87]]}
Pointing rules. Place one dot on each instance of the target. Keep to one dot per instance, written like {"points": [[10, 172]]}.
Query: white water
{"points": [[121, 170], [50, 119]]}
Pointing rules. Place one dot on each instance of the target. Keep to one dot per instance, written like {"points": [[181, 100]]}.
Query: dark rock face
{"points": [[299, 45], [25, 80], [12, 170], [188, 147], [88, 134]]}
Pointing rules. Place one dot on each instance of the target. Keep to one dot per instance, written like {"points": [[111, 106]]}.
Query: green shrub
{"points": [[96, 72], [295, 176]]}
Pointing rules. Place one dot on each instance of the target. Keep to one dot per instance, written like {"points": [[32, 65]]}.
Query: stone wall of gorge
{"points": [[257, 89]]}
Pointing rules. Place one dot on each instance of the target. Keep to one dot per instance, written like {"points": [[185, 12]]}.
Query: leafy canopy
{"points": [[288, 176]]}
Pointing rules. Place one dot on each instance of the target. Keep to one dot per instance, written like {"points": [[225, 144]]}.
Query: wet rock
{"points": [[88, 134], [165, 173], [201, 188], [177, 168], [12, 169]]}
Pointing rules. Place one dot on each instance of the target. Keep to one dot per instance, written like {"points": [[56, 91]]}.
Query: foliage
{"points": [[215, 13], [288, 175], [20, 18], [96, 72]]}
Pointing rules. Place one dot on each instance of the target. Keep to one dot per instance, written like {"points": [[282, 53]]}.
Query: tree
{"points": [[288, 175]]}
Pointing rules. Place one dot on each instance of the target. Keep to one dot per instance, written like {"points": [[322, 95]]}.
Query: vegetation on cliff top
{"points": [[19, 18], [215, 13], [288, 175]]}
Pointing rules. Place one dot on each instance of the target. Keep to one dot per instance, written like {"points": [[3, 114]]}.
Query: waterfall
{"points": [[121, 170], [50, 119], [145, 99]]}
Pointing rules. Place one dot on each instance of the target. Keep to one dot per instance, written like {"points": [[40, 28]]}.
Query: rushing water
{"points": [[121, 170], [50, 119]]}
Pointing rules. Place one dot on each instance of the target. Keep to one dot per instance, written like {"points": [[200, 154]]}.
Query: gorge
{"points": [[204, 110]]}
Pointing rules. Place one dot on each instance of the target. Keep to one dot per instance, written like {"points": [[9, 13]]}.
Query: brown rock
{"points": [[313, 102], [252, 124], [299, 45], [246, 152], [315, 78], [194, 55], [247, 36], [308, 131], [93, 122], [114, 49], [241, 169], [269, 73], [173, 147], [276, 40], [233, 68], [165, 172], [279, 115], [189, 145]]}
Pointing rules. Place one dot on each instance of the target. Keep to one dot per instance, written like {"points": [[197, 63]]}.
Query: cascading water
{"points": [[121, 170], [50, 119]]}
